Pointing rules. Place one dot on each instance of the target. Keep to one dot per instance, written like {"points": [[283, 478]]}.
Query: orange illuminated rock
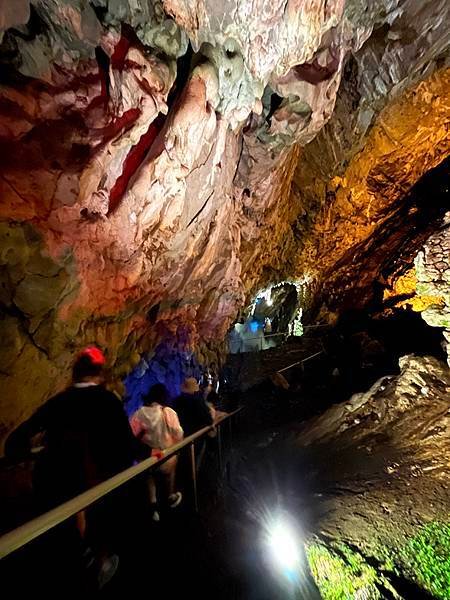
{"points": [[159, 166]]}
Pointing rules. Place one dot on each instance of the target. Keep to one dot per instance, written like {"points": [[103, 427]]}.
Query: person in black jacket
{"points": [[86, 434], [191, 408], [87, 439]]}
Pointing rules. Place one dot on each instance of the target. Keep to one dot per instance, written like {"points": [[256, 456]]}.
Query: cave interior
{"points": [[256, 195]]}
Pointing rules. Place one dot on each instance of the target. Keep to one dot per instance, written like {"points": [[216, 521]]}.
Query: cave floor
{"points": [[366, 483]]}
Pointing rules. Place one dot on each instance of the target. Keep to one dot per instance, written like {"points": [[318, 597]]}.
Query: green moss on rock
{"points": [[340, 573], [426, 559]]}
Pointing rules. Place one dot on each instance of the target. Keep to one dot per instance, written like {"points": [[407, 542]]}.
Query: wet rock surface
{"points": [[367, 483], [152, 153]]}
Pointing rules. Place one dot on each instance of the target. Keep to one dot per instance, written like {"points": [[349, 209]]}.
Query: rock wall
{"points": [[345, 216], [380, 473], [433, 280], [149, 151]]}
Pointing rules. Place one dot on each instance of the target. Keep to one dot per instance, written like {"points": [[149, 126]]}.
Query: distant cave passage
{"points": [[274, 314]]}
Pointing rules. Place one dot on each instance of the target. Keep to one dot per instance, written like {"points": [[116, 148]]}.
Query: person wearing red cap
{"points": [[86, 439]]}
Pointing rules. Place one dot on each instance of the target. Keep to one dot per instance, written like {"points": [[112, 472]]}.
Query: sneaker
{"points": [[175, 499], [107, 570], [155, 516], [88, 558]]}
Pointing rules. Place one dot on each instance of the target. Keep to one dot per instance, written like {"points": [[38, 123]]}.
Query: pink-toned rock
{"points": [[147, 182]]}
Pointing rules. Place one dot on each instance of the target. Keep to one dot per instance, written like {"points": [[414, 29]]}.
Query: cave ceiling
{"points": [[162, 161]]}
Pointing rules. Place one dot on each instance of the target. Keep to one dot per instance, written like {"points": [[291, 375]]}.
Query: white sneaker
{"points": [[155, 516], [175, 499]]}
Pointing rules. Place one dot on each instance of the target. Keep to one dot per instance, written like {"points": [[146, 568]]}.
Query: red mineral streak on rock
{"points": [[119, 54], [114, 200]]}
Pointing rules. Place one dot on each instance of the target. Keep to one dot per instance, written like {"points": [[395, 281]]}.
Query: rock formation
{"points": [[390, 509], [434, 280], [162, 161], [362, 486]]}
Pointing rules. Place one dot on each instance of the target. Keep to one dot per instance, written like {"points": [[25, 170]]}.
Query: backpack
{"points": [[157, 426]]}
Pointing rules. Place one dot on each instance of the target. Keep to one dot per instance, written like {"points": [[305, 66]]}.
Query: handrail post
{"points": [[219, 446], [194, 475], [230, 451]]}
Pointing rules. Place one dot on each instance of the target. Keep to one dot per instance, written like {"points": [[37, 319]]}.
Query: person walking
{"points": [[191, 407], [156, 425], [86, 439]]}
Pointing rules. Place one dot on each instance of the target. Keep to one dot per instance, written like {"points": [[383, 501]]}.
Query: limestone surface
{"points": [[162, 161]]}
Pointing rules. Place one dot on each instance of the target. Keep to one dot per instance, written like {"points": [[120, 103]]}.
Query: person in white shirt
{"points": [[157, 425]]}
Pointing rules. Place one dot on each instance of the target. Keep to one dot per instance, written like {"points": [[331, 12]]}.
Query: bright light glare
{"points": [[283, 546], [265, 295]]}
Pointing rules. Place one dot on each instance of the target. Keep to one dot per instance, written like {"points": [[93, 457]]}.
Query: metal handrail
{"points": [[265, 336], [19, 537], [285, 333], [299, 362]]}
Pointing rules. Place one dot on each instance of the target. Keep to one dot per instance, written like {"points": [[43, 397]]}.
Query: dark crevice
{"points": [[199, 211], [103, 62], [153, 313], [406, 588], [89, 216], [238, 162], [35, 26], [10, 61], [10, 58], [100, 11], [314, 73], [350, 76], [275, 102], [392, 302], [184, 68]]}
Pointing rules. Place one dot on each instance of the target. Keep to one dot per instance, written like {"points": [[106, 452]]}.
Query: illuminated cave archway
{"points": [[274, 314]]}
